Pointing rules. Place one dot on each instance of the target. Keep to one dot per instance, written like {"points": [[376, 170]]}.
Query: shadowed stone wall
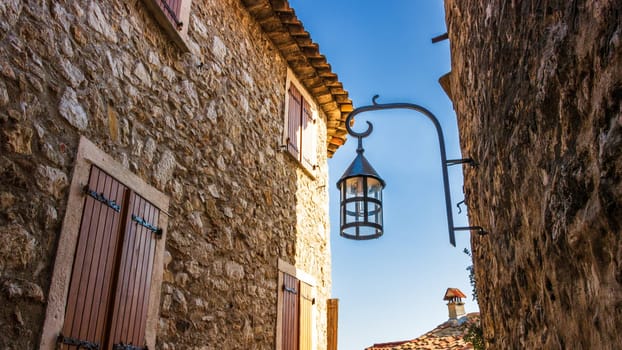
{"points": [[537, 87], [204, 127]]}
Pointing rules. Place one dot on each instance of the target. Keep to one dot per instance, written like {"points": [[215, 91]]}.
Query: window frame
{"points": [[88, 154], [179, 36], [286, 268], [304, 146]]}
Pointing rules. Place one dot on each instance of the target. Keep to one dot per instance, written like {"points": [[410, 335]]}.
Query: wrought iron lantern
{"points": [[361, 187], [361, 197]]}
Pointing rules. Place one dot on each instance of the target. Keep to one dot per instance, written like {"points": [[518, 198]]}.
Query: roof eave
{"points": [[279, 22]]}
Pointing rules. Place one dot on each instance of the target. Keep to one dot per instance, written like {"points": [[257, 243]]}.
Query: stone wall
{"points": [[204, 127], [537, 87]]}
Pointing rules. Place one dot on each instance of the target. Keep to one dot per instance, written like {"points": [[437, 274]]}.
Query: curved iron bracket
{"points": [[458, 205], [444, 162]]}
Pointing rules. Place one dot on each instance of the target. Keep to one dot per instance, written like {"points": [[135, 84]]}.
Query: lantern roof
{"points": [[360, 166]]}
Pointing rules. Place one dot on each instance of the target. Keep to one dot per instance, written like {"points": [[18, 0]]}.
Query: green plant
{"points": [[471, 270], [475, 336], [474, 333]]}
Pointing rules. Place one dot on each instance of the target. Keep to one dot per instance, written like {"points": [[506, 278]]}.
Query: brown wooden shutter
{"points": [[111, 277], [172, 10], [94, 263], [309, 136], [134, 280], [293, 122], [305, 321], [291, 312]]}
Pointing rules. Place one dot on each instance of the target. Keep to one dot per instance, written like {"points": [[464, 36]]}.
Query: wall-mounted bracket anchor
{"points": [[440, 38], [469, 161], [480, 230]]}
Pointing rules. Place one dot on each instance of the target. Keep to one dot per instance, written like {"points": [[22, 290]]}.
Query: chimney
{"points": [[454, 303]]}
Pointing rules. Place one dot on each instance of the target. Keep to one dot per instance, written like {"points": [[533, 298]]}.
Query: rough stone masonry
{"points": [[537, 88]]}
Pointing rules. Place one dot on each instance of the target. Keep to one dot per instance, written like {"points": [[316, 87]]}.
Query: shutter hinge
{"points": [[129, 346], [290, 290], [101, 198], [152, 228], [80, 344], [312, 300]]}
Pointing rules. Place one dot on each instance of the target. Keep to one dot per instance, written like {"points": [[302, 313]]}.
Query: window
{"points": [[173, 17], [296, 309], [301, 119], [108, 271]]}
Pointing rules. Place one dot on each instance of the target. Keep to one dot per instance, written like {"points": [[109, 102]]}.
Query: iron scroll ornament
{"points": [[444, 161]]}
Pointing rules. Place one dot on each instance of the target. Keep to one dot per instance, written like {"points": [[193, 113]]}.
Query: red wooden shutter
{"points": [[306, 305], [309, 136], [134, 280], [291, 312], [293, 122], [96, 253]]}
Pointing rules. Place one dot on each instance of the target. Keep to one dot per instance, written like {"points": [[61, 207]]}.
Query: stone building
{"points": [[163, 175], [537, 89], [453, 334]]}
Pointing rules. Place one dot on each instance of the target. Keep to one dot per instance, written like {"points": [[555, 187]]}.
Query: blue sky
{"points": [[391, 289]]}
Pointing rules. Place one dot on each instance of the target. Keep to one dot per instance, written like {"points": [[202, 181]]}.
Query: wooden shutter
{"points": [[94, 264], [332, 323], [309, 138], [135, 269], [301, 129], [172, 11], [296, 317], [111, 277], [290, 316], [293, 122], [306, 305]]}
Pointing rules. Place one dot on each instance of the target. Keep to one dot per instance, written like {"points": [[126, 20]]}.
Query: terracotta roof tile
{"points": [[447, 336], [453, 293], [287, 32]]}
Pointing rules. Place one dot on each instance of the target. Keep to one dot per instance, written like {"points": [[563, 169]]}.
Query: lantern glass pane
{"points": [[374, 213], [354, 187], [354, 212], [351, 231], [374, 188], [367, 231]]}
